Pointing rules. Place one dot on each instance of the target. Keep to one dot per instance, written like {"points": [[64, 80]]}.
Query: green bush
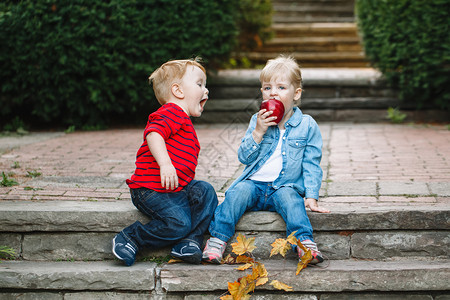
{"points": [[86, 63], [409, 41], [254, 23]]}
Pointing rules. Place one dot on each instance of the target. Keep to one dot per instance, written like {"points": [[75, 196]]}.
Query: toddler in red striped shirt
{"points": [[163, 187]]}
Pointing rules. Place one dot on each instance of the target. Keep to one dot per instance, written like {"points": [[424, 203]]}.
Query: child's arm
{"points": [[312, 204], [157, 146]]}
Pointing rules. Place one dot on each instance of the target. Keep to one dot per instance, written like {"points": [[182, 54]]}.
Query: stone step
{"points": [[347, 279], [341, 59], [312, 44], [329, 94], [283, 30], [76, 230], [313, 11]]}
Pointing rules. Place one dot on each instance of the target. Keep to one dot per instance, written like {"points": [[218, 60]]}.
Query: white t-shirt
{"points": [[273, 166]]}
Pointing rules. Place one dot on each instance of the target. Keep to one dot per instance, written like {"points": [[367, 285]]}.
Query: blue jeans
{"points": [[184, 215], [249, 195]]}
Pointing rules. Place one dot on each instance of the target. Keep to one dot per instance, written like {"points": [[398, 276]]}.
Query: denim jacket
{"points": [[301, 151]]}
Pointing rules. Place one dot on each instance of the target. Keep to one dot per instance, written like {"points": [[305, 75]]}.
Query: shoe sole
{"points": [[212, 261], [192, 259]]}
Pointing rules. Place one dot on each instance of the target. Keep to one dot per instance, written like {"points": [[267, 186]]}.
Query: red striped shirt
{"points": [[175, 126]]}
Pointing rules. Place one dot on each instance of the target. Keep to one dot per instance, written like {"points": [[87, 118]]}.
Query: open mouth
{"points": [[203, 102]]}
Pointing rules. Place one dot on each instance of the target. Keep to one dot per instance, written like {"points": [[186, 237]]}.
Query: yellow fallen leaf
{"points": [[243, 245], [280, 246], [243, 259], [262, 281], [304, 260], [174, 261], [247, 285], [292, 239], [281, 286], [244, 267]]}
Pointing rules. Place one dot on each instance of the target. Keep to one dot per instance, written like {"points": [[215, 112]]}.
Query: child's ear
{"points": [[177, 91], [298, 94]]}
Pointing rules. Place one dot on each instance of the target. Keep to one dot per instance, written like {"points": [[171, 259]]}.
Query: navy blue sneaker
{"points": [[123, 250], [188, 251]]}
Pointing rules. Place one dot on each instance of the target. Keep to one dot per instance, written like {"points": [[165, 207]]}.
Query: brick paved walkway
{"points": [[364, 164]]}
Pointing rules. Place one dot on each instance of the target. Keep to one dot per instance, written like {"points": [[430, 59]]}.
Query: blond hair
{"points": [[169, 73], [283, 65]]}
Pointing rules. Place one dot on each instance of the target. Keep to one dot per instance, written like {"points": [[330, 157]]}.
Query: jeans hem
{"points": [[129, 240], [220, 236]]}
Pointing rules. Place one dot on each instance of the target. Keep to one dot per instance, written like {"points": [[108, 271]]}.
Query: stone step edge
{"points": [[322, 26], [399, 275], [252, 105], [311, 76], [111, 216]]}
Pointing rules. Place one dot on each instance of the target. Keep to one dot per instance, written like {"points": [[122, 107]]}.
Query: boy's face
{"points": [[195, 92], [281, 88]]}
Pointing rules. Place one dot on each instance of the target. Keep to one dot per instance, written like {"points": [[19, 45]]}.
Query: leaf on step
{"points": [[305, 259], [292, 239], [243, 259], [230, 260], [280, 246], [240, 289], [226, 297], [174, 261], [281, 286], [243, 245], [233, 287], [240, 259], [260, 273], [244, 267]]}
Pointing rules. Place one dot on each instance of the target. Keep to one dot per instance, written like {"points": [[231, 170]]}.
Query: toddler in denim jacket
{"points": [[282, 165]]}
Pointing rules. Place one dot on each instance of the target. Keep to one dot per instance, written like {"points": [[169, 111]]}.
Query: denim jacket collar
{"points": [[296, 118]]}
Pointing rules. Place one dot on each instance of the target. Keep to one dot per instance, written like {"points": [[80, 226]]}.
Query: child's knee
{"points": [[178, 227], [286, 196]]}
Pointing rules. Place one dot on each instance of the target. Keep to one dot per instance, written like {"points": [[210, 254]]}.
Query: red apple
{"points": [[276, 106]]}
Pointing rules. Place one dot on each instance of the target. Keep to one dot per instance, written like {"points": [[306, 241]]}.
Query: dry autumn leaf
{"points": [[246, 285], [260, 273], [305, 259], [243, 245], [281, 286], [244, 267], [280, 246], [174, 261], [292, 239], [243, 259]]}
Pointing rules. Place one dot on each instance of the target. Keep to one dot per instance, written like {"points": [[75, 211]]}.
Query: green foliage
{"points": [[395, 115], [255, 20], [7, 252], [33, 174], [7, 181], [86, 63], [409, 41]]}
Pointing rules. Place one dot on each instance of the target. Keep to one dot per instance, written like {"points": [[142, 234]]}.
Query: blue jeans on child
{"points": [[249, 195], [184, 215]]}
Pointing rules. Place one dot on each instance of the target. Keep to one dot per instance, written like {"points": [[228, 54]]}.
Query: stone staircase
{"points": [[374, 252], [329, 94], [317, 33]]}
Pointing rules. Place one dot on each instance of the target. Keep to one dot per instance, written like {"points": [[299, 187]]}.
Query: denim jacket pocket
{"points": [[296, 148]]}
